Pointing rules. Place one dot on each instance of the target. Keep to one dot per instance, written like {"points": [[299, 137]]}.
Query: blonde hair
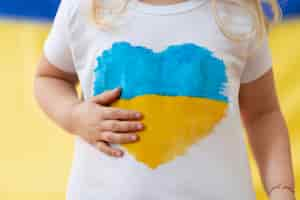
{"points": [[260, 26]]}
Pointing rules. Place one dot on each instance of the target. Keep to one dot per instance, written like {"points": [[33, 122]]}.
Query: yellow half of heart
{"points": [[172, 125]]}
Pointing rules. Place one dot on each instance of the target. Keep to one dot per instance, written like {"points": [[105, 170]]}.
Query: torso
{"points": [[212, 167]]}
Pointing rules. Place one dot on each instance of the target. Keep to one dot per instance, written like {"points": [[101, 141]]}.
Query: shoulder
{"points": [[236, 18], [68, 8]]}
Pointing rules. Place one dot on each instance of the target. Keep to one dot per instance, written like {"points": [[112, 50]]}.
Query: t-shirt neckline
{"points": [[166, 8]]}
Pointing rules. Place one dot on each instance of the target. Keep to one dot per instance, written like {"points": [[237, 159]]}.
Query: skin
{"points": [[267, 133], [92, 119], [101, 125]]}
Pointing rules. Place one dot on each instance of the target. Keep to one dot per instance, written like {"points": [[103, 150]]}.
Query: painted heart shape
{"points": [[180, 91]]}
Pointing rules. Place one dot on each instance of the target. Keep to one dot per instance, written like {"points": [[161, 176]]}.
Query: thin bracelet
{"points": [[282, 187]]}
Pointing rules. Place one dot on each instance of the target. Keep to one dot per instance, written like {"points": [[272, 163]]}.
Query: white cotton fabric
{"points": [[215, 168]]}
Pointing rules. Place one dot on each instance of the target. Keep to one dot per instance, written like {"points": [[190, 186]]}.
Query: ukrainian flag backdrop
{"points": [[35, 155]]}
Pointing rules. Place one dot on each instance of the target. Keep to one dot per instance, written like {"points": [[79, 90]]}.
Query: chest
{"points": [[156, 34]]}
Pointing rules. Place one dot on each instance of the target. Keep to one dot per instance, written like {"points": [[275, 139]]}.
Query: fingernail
{"points": [[138, 115], [140, 126], [133, 137], [117, 153]]}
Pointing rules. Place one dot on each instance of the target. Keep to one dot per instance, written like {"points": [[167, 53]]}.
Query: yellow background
{"points": [[35, 155]]}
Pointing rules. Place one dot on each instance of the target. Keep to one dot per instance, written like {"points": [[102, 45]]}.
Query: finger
{"points": [[117, 138], [107, 149], [107, 97], [121, 126], [120, 114]]}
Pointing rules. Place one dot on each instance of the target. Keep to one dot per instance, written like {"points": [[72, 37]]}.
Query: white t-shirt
{"points": [[174, 63]]}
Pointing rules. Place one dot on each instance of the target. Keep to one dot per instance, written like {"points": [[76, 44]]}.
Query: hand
{"points": [[101, 125], [282, 195]]}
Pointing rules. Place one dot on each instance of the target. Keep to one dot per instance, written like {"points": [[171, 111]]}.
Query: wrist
{"points": [[71, 116], [282, 191], [282, 195]]}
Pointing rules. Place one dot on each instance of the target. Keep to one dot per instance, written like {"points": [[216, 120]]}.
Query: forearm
{"points": [[268, 137], [56, 98]]}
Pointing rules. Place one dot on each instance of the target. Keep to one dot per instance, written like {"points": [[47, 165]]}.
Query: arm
{"points": [[91, 119], [54, 86], [267, 134], [55, 92]]}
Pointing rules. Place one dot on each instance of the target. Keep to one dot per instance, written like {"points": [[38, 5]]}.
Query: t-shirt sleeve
{"points": [[56, 47], [258, 62]]}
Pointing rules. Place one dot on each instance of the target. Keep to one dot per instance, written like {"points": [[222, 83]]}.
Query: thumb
{"points": [[107, 97]]}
